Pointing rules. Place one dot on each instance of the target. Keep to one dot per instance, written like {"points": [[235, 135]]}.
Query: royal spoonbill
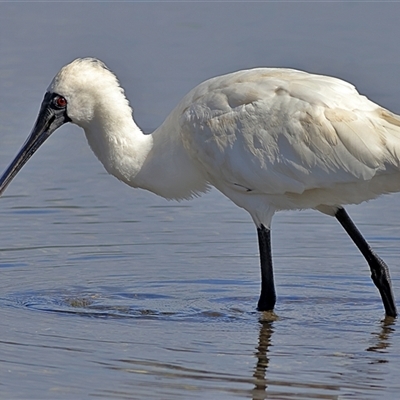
{"points": [[269, 139]]}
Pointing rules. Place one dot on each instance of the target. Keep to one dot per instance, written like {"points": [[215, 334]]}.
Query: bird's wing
{"points": [[277, 131]]}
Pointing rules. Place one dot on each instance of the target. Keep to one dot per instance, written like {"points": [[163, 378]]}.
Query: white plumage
{"points": [[278, 138], [270, 139], [294, 139]]}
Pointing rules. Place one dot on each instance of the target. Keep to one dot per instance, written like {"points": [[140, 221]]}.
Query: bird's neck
{"points": [[157, 162]]}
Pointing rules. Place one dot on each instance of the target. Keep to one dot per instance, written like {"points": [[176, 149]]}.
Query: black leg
{"points": [[268, 297], [379, 270]]}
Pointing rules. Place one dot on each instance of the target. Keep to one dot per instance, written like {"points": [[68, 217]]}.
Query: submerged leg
{"points": [[379, 270], [267, 297]]}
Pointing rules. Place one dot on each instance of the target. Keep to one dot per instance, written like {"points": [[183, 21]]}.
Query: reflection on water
{"points": [[382, 338], [269, 387], [260, 371], [265, 387]]}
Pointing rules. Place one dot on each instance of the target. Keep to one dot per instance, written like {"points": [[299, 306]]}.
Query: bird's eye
{"points": [[60, 101]]}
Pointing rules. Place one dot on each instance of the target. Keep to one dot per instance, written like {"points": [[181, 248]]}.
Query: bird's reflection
{"points": [[380, 344], [261, 353], [382, 337]]}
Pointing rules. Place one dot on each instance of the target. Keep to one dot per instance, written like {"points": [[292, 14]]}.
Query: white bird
{"points": [[269, 139]]}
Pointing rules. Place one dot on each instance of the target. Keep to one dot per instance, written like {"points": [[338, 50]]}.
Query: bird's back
{"points": [[283, 132]]}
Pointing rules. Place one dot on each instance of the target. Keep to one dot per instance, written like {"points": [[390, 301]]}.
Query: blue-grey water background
{"points": [[111, 292]]}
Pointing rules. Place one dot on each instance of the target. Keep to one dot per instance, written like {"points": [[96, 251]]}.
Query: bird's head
{"points": [[74, 95]]}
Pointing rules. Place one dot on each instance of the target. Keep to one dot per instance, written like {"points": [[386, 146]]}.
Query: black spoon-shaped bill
{"points": [[52, 114]]}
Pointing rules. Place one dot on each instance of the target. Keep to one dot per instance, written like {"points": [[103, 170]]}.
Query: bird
{"points": [[269, 139]]}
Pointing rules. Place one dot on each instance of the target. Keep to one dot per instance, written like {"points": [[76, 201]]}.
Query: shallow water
{"points": [[111, 292]]}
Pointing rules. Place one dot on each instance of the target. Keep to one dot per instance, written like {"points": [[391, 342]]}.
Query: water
{"points": [[111, 292]]}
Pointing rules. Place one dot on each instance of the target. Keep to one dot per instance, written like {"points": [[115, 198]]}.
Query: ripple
{"points": [[108, 303]]}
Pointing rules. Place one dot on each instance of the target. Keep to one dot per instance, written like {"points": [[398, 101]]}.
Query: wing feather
{"points": [[279, 131]]}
